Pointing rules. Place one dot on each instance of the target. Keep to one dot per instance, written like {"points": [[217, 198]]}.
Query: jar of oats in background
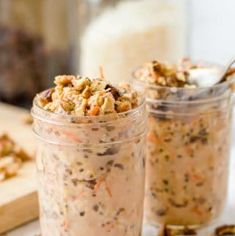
{"points": [[120, 34], [188, 142], [91, 167]]}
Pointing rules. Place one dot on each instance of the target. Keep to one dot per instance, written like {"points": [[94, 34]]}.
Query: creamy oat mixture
{"points": [[91, 174], [11, 157], [188, 144]]}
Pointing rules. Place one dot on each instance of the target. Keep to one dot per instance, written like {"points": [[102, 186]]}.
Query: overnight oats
{"points": [[90, 158], [188, 141]]}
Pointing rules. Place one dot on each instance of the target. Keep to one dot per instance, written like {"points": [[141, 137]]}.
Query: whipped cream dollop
{"points": [[205, 77]]}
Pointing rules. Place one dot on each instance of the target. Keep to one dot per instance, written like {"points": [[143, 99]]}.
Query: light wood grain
{"points": [[18, 195]]}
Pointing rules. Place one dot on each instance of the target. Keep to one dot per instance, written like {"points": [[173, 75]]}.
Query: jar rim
{"points": [[182, 88], [93, 145], [226, 86], [185, 102], [213, 99]]}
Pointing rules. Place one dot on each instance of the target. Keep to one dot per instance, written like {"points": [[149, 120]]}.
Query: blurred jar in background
{"points": [[33, 47], [120, 34]]}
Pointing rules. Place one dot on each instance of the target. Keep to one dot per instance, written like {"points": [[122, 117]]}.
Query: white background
{"points": [[212, 29]]}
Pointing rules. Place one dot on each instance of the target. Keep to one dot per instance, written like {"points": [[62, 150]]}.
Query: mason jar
{"points": [[33, 47], [120, 34], [188, 148], [91, 172]]}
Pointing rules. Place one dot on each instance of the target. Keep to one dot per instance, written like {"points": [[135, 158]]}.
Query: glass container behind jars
{"points": [[120, 34], [33, 47]]}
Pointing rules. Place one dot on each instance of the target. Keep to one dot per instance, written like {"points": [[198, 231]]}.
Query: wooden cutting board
{"points": [[18, 195]]}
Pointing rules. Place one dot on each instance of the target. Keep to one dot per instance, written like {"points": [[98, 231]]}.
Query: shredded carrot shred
{"points": [[101, 72], [196, 210], [189, 150], [100, 181], [108, 189], [108, 227], [79, 196], [152, 138], [65, 225], [197, 177], [72, 136], [98, 184], [95, 110]]}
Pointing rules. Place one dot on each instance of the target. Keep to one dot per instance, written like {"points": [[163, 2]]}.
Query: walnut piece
{"points": [[225, 230], [11, 157]]}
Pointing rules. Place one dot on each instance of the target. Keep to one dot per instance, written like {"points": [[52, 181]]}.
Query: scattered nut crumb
{"points": [[225, 230], [178, 231], [28, 119], [163, 74], [11, 157]]}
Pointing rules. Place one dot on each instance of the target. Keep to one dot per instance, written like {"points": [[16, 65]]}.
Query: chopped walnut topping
{"points": [[183, 75], [178, 231], [46, 97], [81, 83], [88, 97], [11, 157], [163, 74], [28, 119], [63, 80]]}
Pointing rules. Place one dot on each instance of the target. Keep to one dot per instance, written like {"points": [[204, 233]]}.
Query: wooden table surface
{"points": [[18, 195]]}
